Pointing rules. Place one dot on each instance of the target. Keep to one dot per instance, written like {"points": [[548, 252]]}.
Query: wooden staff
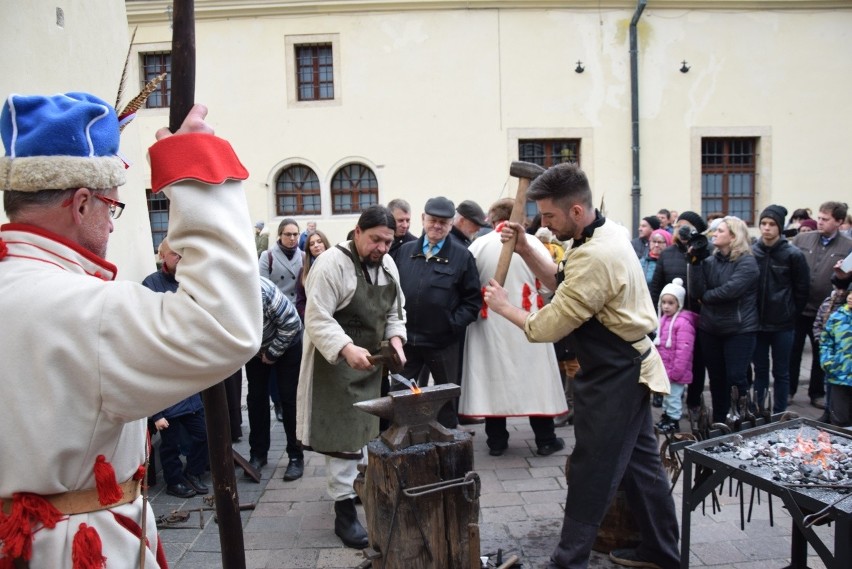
{"points": [[215, 402]]}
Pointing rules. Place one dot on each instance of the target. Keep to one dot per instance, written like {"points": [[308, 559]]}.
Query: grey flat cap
{"points": [[440, 207]]}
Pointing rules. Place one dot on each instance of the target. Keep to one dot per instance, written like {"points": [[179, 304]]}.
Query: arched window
{"points": [[353, 189], [297, 191]]}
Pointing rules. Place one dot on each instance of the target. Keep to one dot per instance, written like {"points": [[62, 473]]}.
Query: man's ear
{"points": [[81, 202]]}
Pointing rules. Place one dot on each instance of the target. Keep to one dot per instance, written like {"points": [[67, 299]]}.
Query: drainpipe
{"points": [[634, 111]]}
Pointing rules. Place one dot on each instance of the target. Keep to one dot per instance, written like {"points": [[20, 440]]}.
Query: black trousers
{"points": [[443, 364], [805, 329], [498, 435], [197, 460], [257, 400], [233, 394]]}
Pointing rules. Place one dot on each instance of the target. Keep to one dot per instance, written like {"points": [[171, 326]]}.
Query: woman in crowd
{"points": [[658, 240], [317, 243], [725, 284]]}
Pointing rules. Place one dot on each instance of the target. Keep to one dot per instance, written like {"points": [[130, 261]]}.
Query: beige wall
{"points": [[435, 100], [40, 54]]}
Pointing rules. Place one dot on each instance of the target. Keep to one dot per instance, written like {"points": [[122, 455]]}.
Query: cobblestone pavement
{"points": [[521, 509]]}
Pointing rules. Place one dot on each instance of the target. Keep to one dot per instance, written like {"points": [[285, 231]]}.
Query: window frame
{"points": [[356, 193], [159, 227], [734, 162], [164, 89], [546, 159], [291, 67], [299, 193]]}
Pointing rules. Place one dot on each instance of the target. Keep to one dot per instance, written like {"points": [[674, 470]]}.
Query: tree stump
{"points": [[419, 503]]}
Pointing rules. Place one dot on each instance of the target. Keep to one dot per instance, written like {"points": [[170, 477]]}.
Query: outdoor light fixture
{"points": [[684, 68], [579, 68]]}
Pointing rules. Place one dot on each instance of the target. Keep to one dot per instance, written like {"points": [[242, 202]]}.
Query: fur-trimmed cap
{"points": [[58, 142]]}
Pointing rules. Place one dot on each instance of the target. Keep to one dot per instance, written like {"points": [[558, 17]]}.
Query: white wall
{"points": [[85, 53]]}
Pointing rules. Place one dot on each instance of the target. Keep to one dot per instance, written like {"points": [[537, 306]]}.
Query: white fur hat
{"points": [[675, 288]]}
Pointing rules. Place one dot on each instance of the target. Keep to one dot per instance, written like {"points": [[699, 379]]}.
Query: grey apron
{"points": [[337, 426]]}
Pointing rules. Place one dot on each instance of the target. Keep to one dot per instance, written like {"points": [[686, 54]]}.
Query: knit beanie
{"points": [[695, 220], [675, 289], [776, 213], [59, 142], [653, 221], [660, 233]]}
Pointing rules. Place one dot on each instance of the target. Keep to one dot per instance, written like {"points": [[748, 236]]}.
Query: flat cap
{"points": [[440, 207], [471, 210]]}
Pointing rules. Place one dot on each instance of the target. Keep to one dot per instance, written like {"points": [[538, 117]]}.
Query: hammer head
{"points": [[388, 357], [527, 170]]}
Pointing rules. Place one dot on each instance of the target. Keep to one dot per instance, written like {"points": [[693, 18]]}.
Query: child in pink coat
{"points": [[676, 342]]}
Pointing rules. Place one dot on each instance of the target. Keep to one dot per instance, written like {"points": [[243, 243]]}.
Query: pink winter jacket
{"points": [[677, 353]]}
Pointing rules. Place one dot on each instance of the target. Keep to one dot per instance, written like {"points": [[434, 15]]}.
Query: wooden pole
{"points": [[215, 402]]}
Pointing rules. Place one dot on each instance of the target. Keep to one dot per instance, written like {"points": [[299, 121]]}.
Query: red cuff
{"points": [[195, 156]]}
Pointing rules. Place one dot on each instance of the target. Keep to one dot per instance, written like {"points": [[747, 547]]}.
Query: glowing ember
{"points": [[812, 452], [416, 389]]}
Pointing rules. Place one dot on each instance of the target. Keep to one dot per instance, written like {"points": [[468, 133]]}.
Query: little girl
{"points": [[675, 341]]}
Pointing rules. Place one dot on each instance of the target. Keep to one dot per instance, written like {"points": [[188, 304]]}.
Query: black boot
{"points": [[346, 525]]}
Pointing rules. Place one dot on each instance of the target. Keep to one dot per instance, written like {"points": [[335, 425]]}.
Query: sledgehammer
{"points": [[525, 172]]}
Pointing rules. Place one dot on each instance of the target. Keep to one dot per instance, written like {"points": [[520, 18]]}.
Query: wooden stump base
{"points": [[419, 503]]}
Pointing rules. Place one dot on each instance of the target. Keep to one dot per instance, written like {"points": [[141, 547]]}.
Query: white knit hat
{"points": [[675, 289]]}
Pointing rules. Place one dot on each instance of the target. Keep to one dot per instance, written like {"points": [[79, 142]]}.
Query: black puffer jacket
{"points": [[728, 294], [442, 294], [672, 264], [783, 286]]}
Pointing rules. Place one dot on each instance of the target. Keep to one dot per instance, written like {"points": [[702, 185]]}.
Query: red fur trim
{"points": [[109, 492], [16, 528], [525, 294], [483, 312], [86, 549], [195, 156]]}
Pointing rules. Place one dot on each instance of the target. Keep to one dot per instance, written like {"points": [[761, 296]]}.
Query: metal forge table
{"points": [[799, 501]]}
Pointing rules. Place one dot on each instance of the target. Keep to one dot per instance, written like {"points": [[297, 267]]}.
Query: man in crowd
{"points": [[641, 243], [468, 222], [823, 248], [604, 304], [261, 239], [441, 286], [665, 217], [116, 352], [310, 227], [504, 375], [354, 304], [781, 296], [401, 212]]}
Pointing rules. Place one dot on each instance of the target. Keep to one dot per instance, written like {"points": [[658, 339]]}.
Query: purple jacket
{"points": [[677, 353]]}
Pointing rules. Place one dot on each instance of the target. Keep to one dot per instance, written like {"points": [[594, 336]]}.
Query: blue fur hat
{"points": [[58, 142]]}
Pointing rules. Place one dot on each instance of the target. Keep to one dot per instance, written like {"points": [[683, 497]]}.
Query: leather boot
{"points": [[346, 525]]}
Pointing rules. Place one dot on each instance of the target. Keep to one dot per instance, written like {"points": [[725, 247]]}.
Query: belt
{"points": [[85, 501]]}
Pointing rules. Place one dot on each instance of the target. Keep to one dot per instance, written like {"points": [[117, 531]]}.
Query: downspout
{"points": [[634, 111]]}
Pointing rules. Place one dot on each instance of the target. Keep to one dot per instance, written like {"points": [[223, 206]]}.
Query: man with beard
{"points": [[354, 303], [604, 304]]}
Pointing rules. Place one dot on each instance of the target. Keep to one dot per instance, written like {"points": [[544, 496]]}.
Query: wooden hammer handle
{"points": [[518, 215]]}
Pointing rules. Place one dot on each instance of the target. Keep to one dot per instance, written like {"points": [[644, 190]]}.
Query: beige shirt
{"points": [[603, 280]]}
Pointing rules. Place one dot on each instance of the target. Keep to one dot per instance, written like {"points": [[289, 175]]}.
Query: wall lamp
{"points": [[579, 68], [684, 68]]}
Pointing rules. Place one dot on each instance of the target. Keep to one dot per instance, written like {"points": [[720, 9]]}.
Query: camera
{"points": [[696, 242]]}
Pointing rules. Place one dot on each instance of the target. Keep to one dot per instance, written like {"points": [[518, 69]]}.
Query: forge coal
{"points": [[801, 455]]}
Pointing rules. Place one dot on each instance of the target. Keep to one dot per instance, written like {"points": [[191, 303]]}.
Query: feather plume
{"points": [[136, 103], [603, 207], [123, 81]]}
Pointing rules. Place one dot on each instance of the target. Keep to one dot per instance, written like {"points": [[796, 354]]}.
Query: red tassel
{"points": [[16, 528], [109, 492], [525, 303], [483, 312], [6, 563], [539, 301], [140, 473], [86, 549]]}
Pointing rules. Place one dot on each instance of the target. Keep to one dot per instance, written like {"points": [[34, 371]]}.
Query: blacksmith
{"points": [[603, 303], [354, 303], [86, 358]]}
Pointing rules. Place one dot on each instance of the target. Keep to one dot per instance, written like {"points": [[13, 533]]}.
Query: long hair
{"points": [[741, 245], [309, 258]]}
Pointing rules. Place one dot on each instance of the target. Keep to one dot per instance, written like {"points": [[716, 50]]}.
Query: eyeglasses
{"points": [[291, 235], [115, 207], [658, 242]]}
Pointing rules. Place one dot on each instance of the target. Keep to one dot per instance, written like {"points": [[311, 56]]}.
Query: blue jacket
{"points": [[835, 347]]}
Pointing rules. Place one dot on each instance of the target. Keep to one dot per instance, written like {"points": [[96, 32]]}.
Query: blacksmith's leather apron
{"points": [[337, 426]]}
